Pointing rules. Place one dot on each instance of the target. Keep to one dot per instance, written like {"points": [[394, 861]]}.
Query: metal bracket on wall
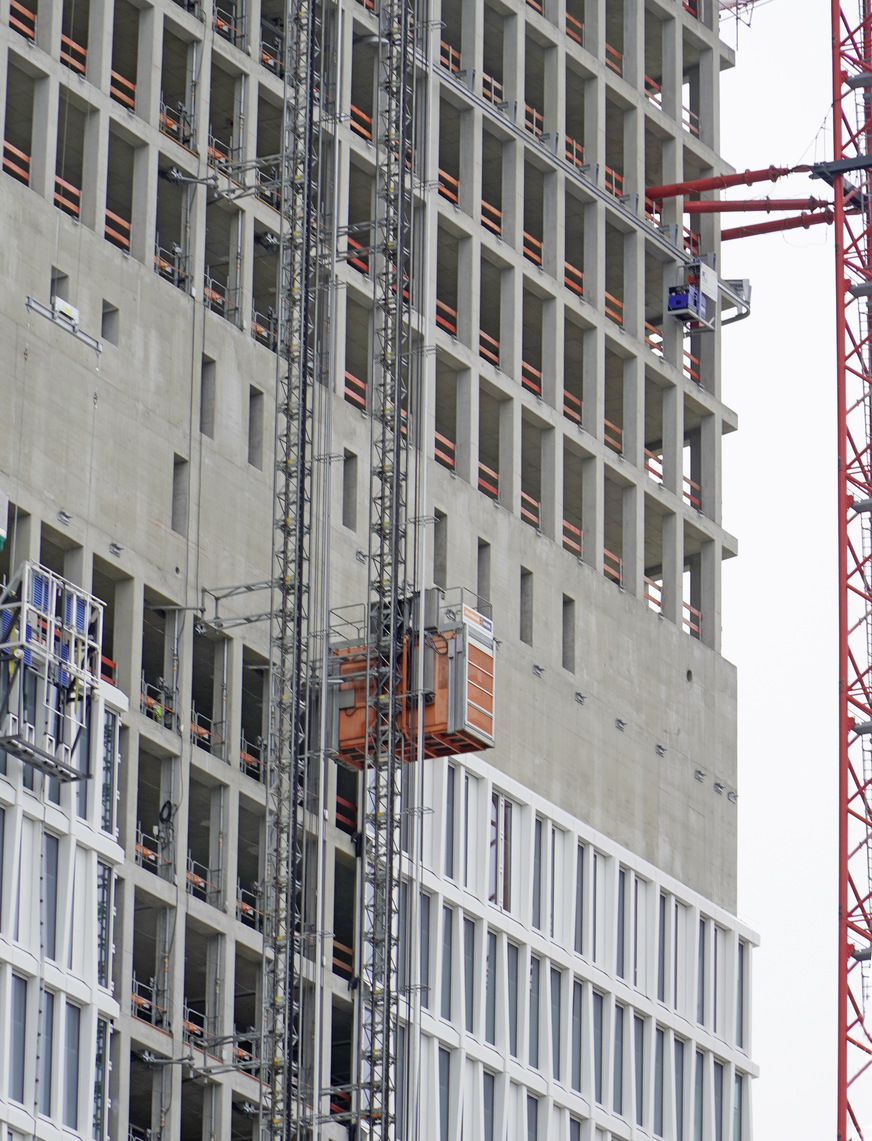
{"points": [[61, 319]]}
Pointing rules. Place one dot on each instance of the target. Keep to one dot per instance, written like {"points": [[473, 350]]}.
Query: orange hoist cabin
{"points": [[457, 684]]}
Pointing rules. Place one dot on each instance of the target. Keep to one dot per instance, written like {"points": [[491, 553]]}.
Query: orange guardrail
{"points": [[122, 90], [532, 249], [614, 60], [575, 29], [73, 54], [117, 230], [360, 261], [444, 450], [16, 163], [361, 123], [692, 620], [491, 89], [22, 19], [446, 317], [574, 151], [613, 566], [654, 594], [572, 538], [614, 308], [449, 57], [654, 465], [67, 197], [355, 391], [654, 91], [491, 217], [613, 435], [571, 406], [448, 186], [488, 347], [488, 481], [531, 378], [692, 492], [533, 120], [614, 182], [530, 509], [654, 338], [573, 278]]}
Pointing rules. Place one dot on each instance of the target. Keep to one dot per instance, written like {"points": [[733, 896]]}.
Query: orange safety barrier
{"points": [[117, 230], [530, 508], [448, 186], [217, 152], [654, 91], [691, 241], [572, 538], [67, 197], [16, 163], [22, 19], [614, 60], [444, 450], [574, 151], [449, 57], [573, 278], [613, 436], [532, 249], [690, 121], [73, 54], [575, 29], [533, 121], [614, 308], [535, 5], [361, 260], [488, 481], [614, 182], [654, 593], [654, 338], [531, 378], [343, 959], [488, 347], [361, 123], [346, 815], [368, 4], [355, 391], [107, 669], [692, 492], [491, 217], [692, 620], [692, 6], [613, 566], [691, 367], [122, 90], [491, 89], [654, 465], [446, 317], [571, 406], [224, 27]]}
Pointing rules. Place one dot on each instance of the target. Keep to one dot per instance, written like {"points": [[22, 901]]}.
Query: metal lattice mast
{"points": [[378, 1011], [285, 1092], [852, 137]]}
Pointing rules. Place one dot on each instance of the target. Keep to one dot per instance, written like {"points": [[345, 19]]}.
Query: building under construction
{"points": [[368, 756]]}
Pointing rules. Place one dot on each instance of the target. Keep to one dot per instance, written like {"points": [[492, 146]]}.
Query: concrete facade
{"points": [[571, 434]]}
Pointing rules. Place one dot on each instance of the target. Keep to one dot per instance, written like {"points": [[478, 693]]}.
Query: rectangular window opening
{"points": [[255, 427], [568, 634], [526, 627], [180, 495], [349, 491], [207, 397]]}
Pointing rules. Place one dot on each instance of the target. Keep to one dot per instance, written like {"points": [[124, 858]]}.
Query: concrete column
{"points": [[513, 194], [593, 516], [148, 64], [468, 291], [511, 322], [510, 455], [634, 44], [144, 204], [95, 165], [633, 540], [552, 353], [672, 562], [100, 32], [710, 594], [673, 439], [466, 419], [513, 63], [549, 485], [78, 566], [553, 223], [634, 412], [44, 137]]}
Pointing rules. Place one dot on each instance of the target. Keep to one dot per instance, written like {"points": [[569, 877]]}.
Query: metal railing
{"points": [[572, 538], [157, 703], [613, 566], [249, 907], [205, 733], [251, 758], [202, 882], [144, 1002]]}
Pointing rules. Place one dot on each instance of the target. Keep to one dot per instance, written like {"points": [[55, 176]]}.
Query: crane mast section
{"points": [[852, 139]]}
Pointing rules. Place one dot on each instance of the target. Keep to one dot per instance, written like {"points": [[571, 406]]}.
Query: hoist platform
{"points": [[457, 687]]}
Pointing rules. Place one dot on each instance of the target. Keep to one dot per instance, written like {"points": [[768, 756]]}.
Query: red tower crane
{"points": [[850, 213]]}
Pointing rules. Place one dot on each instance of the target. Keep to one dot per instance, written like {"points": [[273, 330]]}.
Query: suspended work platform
{"points": [[51, 634]]}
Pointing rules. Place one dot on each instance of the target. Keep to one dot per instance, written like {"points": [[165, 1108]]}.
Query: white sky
{"points": [[780, 595]]}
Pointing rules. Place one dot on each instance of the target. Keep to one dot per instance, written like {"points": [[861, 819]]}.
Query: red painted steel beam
{"points": [[752, 205], [721, 181], [803, 221]]}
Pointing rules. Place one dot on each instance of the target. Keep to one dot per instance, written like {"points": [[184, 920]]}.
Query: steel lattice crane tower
{"points": [[852, 147]]}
